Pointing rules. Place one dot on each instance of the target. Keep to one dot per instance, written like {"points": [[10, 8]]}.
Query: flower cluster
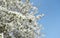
{"points": [[18, 19]]}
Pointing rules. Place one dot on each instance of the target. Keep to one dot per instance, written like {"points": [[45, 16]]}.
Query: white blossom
{"points": [[17, 20]]}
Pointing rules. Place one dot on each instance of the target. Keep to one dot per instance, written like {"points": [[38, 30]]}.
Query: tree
{"points": [[18, 19]]}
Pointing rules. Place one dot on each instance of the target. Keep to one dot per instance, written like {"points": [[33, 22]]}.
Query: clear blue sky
{"points": [[51, 20]]}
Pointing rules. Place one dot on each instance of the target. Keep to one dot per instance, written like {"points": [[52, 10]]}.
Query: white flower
{"points": [[18, 20]]}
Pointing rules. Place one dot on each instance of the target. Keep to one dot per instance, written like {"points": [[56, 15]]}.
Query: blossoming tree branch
{"points": [[18, 19]]}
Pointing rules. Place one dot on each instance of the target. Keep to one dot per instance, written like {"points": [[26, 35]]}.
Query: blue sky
{"points": [[51, 20]]}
